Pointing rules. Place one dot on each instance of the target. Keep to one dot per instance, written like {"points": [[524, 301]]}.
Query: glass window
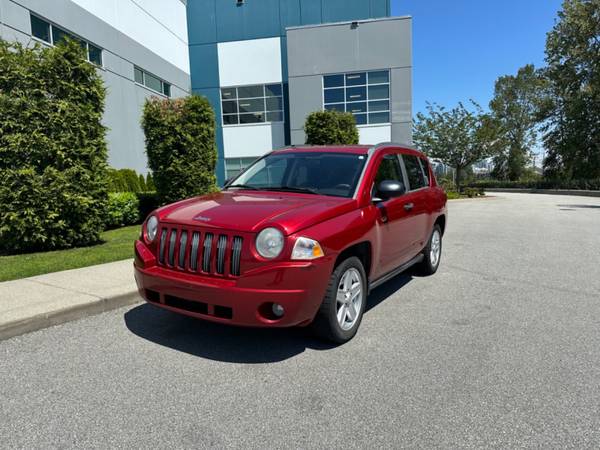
{"points": [[323, 173], [228, 93], [95, 54], [152, 82], [40, 28], [273, 90], [330, 81], [167, 89], [364, 94], [416, 177], [356, 79], [254, 104], [251, 91], [139, 75], [389, 169], [355, 94], [379, 77], [59, 35], [379, 92], [334, 95], [356, 107]]}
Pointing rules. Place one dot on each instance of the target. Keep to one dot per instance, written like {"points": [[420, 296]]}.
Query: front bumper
{"points": [[246, 300]]}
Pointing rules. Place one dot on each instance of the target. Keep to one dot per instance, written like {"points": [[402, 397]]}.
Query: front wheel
{"points": [[432, 252], [342, 309]]}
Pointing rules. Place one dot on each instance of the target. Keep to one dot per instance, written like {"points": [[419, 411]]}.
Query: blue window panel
{"points": [[202, 21], [359, 107], [334, 95], [383, 117], [252, 20], [341, 10], [381, 76], [380, 8], [273, 90], [333, 81], [361, 119], [204, 66], [379, 105], [356, 94], [379, 92], [310, 12], [335, 107], [284, 58], [356, 79]]}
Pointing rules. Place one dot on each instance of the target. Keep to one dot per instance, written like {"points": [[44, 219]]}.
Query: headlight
{"points": [[269, 243], [306, 248], [151, 228]]}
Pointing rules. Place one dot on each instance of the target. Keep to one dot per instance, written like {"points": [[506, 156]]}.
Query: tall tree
{"points": [[572, 132], [515, 105], [458, 137]]}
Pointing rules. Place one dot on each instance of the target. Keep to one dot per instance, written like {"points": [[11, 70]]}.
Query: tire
{"points": [[326, 324], [431, 262]]}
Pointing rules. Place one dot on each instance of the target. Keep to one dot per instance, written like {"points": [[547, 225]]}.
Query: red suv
{"points": [[300, 237]]}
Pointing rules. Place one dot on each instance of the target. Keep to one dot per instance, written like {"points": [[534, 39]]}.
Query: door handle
{"points": [[409, 206]]}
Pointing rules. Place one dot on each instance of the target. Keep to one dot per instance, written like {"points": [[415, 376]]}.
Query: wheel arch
{"points": [[362, 250]]}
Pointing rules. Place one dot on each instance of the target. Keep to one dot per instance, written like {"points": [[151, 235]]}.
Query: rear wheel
{"points": [[432, 252], [344, 303]]}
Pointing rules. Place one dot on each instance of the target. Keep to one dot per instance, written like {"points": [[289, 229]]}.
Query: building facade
{"points": [[266, 64], [140, 48]]}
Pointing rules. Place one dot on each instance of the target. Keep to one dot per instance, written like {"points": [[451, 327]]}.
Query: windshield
{"points": [[321, 173]]}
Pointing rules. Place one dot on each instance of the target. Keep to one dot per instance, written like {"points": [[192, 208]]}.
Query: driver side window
{"points": [[389, 169]]}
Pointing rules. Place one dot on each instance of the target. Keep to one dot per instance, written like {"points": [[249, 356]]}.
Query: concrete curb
{"points": [[58, 317], [580, 193]]}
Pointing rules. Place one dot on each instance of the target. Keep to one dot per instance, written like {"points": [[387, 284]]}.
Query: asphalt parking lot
{"points": [[501, 348]]}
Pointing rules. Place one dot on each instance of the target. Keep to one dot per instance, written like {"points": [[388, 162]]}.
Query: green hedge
{"points": [[331, 128], [181, 147], [128, 180], [592, 185], [123, 209], [53, 186]]}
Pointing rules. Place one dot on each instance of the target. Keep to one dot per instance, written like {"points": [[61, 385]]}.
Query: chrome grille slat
{"points": [[182, 248], [236, 252], [194, 251], [172, 239], [221, 246], [208, 238], [161, 250]]}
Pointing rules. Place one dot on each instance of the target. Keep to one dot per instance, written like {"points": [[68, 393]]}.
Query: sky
{"points": [[460, 47]]}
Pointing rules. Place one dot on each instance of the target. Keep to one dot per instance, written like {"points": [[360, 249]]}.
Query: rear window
{"points": [[414, 171]]}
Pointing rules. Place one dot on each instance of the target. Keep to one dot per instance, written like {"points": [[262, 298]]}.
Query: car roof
{"points": [[352, 149]]}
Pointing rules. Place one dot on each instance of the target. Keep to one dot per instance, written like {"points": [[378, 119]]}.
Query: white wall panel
{"points": [[375, 134], [158, 25], [256, 61], [252, 140]]}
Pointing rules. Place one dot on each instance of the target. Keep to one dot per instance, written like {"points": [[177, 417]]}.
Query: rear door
{"points": [[416, 204]]}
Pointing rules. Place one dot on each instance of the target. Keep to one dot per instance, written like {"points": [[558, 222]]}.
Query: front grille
{"points": [[200, 252]]}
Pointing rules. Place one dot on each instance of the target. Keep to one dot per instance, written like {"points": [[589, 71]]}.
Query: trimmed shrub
{"points": [[123, 209], [53, 186], [148, 202], [330, 128], [142, 183], [181, 148], [150, 187]]}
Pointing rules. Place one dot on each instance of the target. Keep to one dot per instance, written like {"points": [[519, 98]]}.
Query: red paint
{"points": [[336, 223]]}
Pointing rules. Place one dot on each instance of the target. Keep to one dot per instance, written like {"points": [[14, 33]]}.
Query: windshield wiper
{"points": [[242, 186], [292, 189]]}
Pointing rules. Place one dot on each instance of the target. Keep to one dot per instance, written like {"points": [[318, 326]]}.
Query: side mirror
{"points": [[390, 189]]}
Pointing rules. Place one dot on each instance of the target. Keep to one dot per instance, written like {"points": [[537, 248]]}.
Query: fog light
{"points": [[277, 309]]}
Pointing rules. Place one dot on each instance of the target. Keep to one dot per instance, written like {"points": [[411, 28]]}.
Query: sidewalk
{"points": [[42, 301]]}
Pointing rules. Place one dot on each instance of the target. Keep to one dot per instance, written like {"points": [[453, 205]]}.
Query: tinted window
{"points": [[389, 169], [323, 173], [139, 75], [95, 54], [40, 29], [254, 104], [416, 178]]}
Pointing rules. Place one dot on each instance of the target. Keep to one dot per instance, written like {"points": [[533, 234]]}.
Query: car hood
{"points": [[252, 211]]}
